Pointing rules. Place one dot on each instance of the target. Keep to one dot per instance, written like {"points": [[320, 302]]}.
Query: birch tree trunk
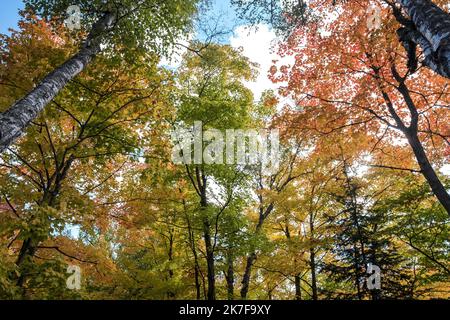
{"points": [[16, 119], [432, 33]]}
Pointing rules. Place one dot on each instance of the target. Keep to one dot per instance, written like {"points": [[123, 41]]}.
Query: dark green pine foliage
{"points": [[362, 237]]}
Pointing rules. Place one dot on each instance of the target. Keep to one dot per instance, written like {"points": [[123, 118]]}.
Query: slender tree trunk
{"points": [[211, 275], [209, 245], [16, 119], [428, 171], [252, 256], [170, 293], [194, 252], [357, 269], [247, 275], [298, 287], [263, 214], [205, 294], [209, 261], [30, 245], [229, 275], [198, 286], [312, 259], [196, 272], [197, 278], [312, 264], [432, 33], [28, 249], [297, 278]]}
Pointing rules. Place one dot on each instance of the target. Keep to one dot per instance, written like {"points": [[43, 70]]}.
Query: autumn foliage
{"points": [[363, 147]]}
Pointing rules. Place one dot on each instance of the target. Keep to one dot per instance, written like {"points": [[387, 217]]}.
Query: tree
{"points": [[147, 25], [428, 26], [213, 93], [425, 23], [81, 136], [377, 88], [269, 188], [362, 239], [419, 225], [105, 180]]}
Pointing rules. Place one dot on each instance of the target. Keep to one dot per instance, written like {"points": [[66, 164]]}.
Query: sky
{"points": [[9, 14]]}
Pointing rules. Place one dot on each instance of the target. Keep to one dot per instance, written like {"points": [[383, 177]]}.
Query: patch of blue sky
{"points": [[9, 14]]}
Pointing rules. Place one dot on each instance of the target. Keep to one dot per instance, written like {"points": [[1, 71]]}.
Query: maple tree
{"points": [[423, 22], [217, 94], [369, 83]]}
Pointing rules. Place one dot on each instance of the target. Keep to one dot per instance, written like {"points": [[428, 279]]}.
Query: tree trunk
{"points": [[16, 119], [428, 171], [298, 287], [312, 258], [194, 252], [197, 278], [357, 268], [170, 293], [28, 249], [263, 214], [229, 275], [247, 274], [432, 33], [312, 264], [209, 261], [196, 272], [201, 187], [30, 244], [251, 260]]}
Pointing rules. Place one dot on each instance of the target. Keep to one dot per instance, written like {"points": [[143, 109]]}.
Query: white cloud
{"points": [[258, 45], [446, 170]]}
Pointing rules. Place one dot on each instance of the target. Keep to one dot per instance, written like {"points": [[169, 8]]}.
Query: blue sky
{"points": [[9, 14]]}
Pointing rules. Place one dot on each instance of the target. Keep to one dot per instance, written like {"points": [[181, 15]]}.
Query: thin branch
{"points": [[395, 168], [66, 254]]}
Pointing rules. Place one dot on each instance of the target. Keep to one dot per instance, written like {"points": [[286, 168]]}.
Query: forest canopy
{"points": [[123, 176]]}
